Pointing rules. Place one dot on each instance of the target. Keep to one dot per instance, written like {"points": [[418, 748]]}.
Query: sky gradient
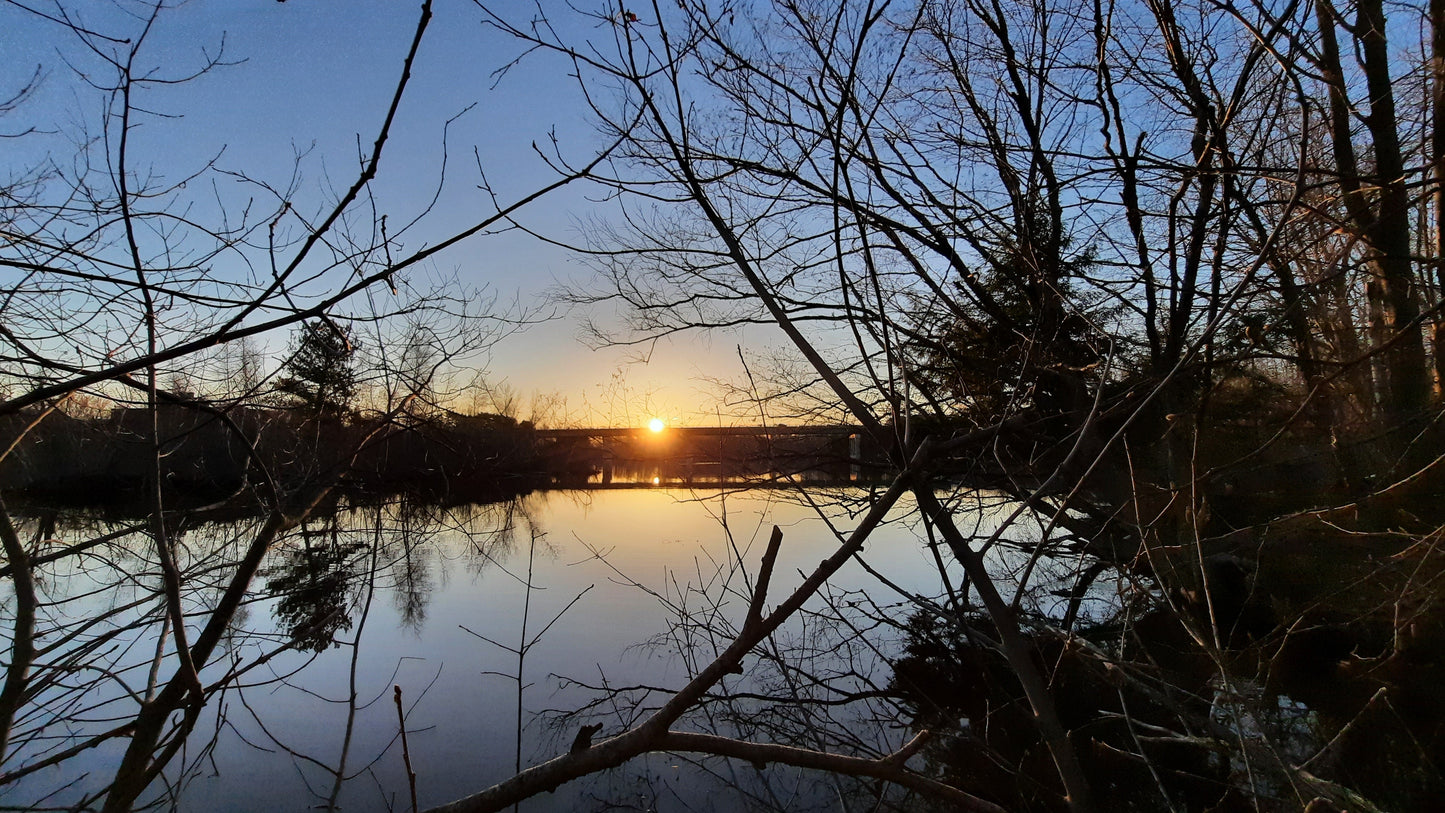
{"points": [[313, 79]]}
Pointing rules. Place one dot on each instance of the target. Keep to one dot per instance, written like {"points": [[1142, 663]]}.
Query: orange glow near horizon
{"points": [[657, 424]]}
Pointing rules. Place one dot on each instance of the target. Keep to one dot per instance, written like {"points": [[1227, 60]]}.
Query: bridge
{"points": [[717, 454], [705, 432]]}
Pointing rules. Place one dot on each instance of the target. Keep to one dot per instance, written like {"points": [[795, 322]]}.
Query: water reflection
{"points": [[364, 597], [352, 602], [314, 583], [702, 473]]}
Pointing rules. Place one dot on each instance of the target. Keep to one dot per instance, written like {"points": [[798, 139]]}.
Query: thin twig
{"points": [[405, 749]]}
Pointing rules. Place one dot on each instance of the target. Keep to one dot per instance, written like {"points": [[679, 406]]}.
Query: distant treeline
{"points": [[207, 455]]}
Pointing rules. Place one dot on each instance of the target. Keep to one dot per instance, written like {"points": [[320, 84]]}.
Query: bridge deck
{"points": [[706, 431]]}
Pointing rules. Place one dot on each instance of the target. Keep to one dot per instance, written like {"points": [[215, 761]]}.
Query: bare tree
{"points": [[126, 275], [1095, 258], [1130, 266]]}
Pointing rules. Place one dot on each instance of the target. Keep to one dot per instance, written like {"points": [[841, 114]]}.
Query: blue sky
{"points": [[316, 77]]}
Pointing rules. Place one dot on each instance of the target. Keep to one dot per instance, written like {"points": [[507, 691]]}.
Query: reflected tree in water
{"points": [[315, 586], [1124, 266], [1134, 298], [123, 277]]}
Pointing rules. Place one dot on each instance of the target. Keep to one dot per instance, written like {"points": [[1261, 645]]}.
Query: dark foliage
{"points": [[321, 368], [313, 585]]}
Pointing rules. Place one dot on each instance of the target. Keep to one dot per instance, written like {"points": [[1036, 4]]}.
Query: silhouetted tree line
{"points": [[105, 460], [1168, 276]]}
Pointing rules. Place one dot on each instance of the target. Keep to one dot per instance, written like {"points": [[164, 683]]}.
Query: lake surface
{"points": [[407, 595]]}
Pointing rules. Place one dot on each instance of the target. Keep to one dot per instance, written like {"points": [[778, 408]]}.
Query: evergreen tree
{"points": [[320, 368]]}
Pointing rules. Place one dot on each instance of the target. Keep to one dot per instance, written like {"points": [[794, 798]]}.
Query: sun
{"points": [[657, 424]]}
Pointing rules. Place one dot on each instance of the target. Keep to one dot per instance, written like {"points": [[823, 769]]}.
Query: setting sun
{"points": [[657, 424]]}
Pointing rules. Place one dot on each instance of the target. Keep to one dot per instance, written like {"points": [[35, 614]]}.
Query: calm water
{"points": [[385, 593]]}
